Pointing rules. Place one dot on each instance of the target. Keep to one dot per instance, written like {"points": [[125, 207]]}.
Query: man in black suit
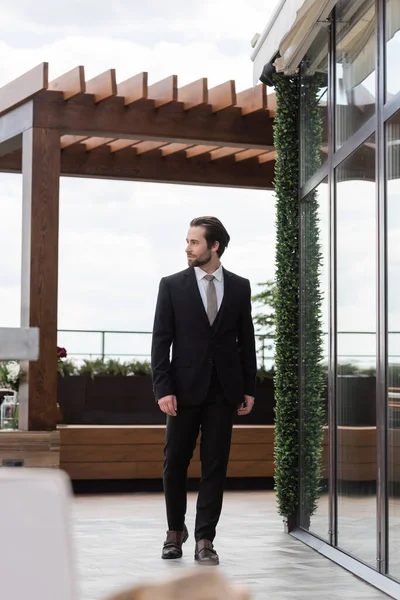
{"points": [[204, 312]]}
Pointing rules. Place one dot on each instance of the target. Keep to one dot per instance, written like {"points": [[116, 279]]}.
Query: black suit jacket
{"points": [[229, 344]]}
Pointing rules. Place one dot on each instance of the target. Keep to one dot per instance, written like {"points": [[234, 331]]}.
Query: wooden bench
{"points": [[136, 452], [39, 449]]}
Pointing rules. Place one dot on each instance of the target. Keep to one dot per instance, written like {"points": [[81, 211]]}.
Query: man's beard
{"points": [[201, 260]]}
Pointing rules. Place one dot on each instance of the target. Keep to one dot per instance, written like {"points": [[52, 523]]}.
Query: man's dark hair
{"points": [[215, 232]]}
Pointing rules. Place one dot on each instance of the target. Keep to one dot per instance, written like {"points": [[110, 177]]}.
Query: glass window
{"points": [[314, 108], [392, 48], [314, 287], [355, 66], [393, 245], [356, 349]]}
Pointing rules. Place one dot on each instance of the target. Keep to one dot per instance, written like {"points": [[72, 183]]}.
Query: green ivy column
{"points": [[298, 425], [287, 340], [311, 375]]}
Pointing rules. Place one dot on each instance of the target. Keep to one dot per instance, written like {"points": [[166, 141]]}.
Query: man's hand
{"points": [[168, 405], [247, 406]]}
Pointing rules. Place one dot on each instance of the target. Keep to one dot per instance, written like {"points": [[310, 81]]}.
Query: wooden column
{"points": [[39, 285]]}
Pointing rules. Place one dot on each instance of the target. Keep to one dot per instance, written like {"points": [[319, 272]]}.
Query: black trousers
{"points": [[215, 419]]}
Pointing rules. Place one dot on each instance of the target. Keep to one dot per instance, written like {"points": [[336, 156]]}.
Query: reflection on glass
{"points": [[393, 243], [392, 47], [314, 107], [355, 66], [314, 212], [356, 339]]}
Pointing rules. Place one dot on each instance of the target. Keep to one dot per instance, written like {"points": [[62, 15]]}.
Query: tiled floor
{"points": [[119, 538]]}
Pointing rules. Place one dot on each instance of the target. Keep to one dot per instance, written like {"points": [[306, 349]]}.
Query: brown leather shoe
{"points": [[205, 554], [173, 544]]}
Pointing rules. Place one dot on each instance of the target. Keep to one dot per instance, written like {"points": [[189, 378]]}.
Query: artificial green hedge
{"points": [[312, 374], [298, 371], [286, 142]]}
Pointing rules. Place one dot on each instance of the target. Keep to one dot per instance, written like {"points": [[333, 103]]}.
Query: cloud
{"points": [[207, 20], [118, 239]]}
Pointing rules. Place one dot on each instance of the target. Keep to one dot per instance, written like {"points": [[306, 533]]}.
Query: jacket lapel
{"points": [[197, 302], [225, 300], [194, 294]]}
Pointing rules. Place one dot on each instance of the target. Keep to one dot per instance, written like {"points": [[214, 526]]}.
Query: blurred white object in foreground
{"points": [[36, 554]]}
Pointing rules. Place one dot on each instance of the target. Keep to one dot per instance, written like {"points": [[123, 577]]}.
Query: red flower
{"points": [[61, 352]]}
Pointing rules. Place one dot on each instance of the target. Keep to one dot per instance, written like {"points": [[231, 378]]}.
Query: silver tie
{"points": [[212, 304]]}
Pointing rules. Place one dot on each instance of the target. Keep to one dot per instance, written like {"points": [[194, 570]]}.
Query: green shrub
{"points": [[290, 346]]}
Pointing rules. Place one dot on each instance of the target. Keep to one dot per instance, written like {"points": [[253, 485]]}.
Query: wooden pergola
{"points": [[129, 131]]}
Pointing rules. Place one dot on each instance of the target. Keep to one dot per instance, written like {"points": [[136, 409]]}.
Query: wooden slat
{"points": [[25, 87], [357, 454], [150, 434], [154, 470], [263, 158], [163, 92], [121, 144], [35, 459], [29, 440], [112, 453], [39, 449], [103, 86], [194, 94], [173, 148], [103, 434], [134, 89], [198, 150], [245, 154], [95, 142], [247, 468], [70, 140], [143, 147], [223, 152], [222, 96], [393, 438], [356, 436], [70, 84], [152, 452], [252, 100]]}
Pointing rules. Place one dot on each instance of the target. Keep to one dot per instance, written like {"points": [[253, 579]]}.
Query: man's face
{"points": [[198, 254]]}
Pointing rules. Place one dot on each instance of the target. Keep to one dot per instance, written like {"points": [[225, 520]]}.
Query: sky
{"points": [[117, 239]]}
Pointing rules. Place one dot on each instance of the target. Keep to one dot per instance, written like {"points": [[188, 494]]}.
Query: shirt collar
{"points": [[200, 274]]}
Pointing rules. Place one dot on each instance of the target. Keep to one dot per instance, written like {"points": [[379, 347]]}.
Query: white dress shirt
{"points": [[203, 283]]}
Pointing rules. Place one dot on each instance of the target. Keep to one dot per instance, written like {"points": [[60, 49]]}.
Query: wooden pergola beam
{"points": [[194, 94], [70, 84], [163, 92], [222, 96], [25, 87], [103, 86], [134, 89], [127, 165], [170, 123], [39, 275]]}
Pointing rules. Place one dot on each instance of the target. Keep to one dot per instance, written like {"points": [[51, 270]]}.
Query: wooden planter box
{"points": [[119, 400]]}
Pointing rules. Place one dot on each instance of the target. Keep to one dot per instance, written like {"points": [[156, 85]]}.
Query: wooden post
{"points": [[39, 286]]}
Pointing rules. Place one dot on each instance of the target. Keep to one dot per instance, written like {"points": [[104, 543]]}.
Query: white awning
{"points": [[296, 24], [291, 31]]}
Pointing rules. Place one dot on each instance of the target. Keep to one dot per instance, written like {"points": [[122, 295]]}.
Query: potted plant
{"points": [[10, 373]]}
